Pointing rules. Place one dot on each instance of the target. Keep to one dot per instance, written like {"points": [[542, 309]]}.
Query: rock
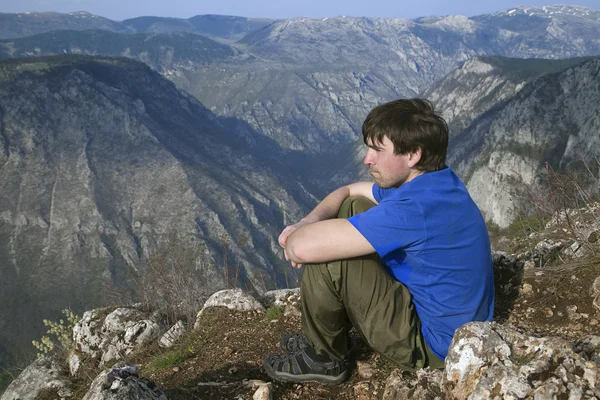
{"points": [[86, 333], [572, 313], [74, 361], [292, 310], [107, 337], [426, 385], [365, 371], [115, 321], [233, 299], [394, 386], [596, 286], [547, 247], [592, 234], [121, 382], [576, 250], [172, 335], [362, 391], [487, 360], [263, 392], [280, 297], [527, 290], [42, 377], [227, 351], [596, 302]]}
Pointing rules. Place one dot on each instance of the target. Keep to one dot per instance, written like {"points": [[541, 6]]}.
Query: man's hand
{"points": [[283, 237], [325, 210]]}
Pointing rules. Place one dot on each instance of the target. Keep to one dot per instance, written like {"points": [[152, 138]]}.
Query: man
{"points": [[405, 261]]}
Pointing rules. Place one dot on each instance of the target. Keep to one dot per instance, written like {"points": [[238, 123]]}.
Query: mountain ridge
{"points": [[101, 160]]}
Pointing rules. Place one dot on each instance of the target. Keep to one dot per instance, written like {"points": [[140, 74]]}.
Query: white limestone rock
{"points": [[488, 360], [74, 361], [280, 297], [233, 299], [41, 376], [108, 337], [172, 335], [264, 391]]}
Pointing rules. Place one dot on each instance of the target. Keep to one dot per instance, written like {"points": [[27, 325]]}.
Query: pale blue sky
{"points": [[122, 9]]}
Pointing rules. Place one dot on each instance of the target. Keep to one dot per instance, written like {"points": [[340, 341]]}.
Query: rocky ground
{"points": [[544, 344]]}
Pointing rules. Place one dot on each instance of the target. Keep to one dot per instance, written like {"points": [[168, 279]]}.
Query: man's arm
{"points": [[320, 237]]}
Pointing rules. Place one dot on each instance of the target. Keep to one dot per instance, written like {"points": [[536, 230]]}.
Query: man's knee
{"points": [[354, 205]]}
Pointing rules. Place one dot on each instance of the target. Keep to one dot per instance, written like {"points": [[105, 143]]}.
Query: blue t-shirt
{"points": [[432, 237]]}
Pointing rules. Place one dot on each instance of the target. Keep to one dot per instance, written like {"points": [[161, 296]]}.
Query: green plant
{"points": [[63, 335], [525, 224], [274, 312], [522, 360], [167, 360]]}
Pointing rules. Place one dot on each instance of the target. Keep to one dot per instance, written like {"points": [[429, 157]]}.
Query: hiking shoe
{"points": [[305, 366], [293, 342]]}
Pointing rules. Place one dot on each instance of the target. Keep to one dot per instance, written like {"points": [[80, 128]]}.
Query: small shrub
{"points": [[274, 312], [524, 225], [63, 335]]}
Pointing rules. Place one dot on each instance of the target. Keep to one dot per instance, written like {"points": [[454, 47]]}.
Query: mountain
{"points": [[482, 83], [308, 83], [163, 52], [571, 29], [473, 99], [219, 27], [101, 159], [321, 77], [549, 120], [32, 23]]}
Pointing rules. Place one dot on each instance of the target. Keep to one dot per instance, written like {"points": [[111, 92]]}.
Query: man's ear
{"points": [[414, 158]]}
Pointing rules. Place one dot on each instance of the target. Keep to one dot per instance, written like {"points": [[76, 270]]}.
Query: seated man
{"points": [[405, 261]]}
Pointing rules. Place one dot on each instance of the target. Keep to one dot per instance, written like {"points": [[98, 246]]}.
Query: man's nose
{"points": [[368, 157]]}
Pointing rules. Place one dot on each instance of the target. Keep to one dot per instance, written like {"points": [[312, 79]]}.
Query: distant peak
{"points": [[84, 14], [548, 11]]}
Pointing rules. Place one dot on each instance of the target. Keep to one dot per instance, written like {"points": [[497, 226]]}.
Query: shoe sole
{"points": [[286, 377]]}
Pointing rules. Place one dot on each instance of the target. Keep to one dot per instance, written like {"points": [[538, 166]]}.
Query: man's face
{"points": [[389, 169]]}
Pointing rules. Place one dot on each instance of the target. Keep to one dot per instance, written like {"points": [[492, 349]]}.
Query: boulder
{"points": [[121, 382], [233, 299], [43, 377], [488, 360], [108, 336]]}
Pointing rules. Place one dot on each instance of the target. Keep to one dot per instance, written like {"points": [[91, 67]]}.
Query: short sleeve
{"points": [[392, 225], [381, 193]]}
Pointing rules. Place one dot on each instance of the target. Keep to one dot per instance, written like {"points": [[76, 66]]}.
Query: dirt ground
{"points": [[220, 360]]}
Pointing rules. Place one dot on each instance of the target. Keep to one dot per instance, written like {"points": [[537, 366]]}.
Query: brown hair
{"points": [[410, 124]]}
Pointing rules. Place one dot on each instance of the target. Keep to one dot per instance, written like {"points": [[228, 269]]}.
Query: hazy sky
{"points": [[123, 9]]}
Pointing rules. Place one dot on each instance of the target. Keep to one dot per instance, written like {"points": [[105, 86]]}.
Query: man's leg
{"points": [[360, 292]]}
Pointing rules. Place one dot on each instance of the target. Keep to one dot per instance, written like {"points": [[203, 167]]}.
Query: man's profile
{"points": [[405, 260]]}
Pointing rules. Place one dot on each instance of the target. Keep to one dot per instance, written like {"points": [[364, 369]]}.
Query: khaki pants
{"points": [[360, 293]]}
